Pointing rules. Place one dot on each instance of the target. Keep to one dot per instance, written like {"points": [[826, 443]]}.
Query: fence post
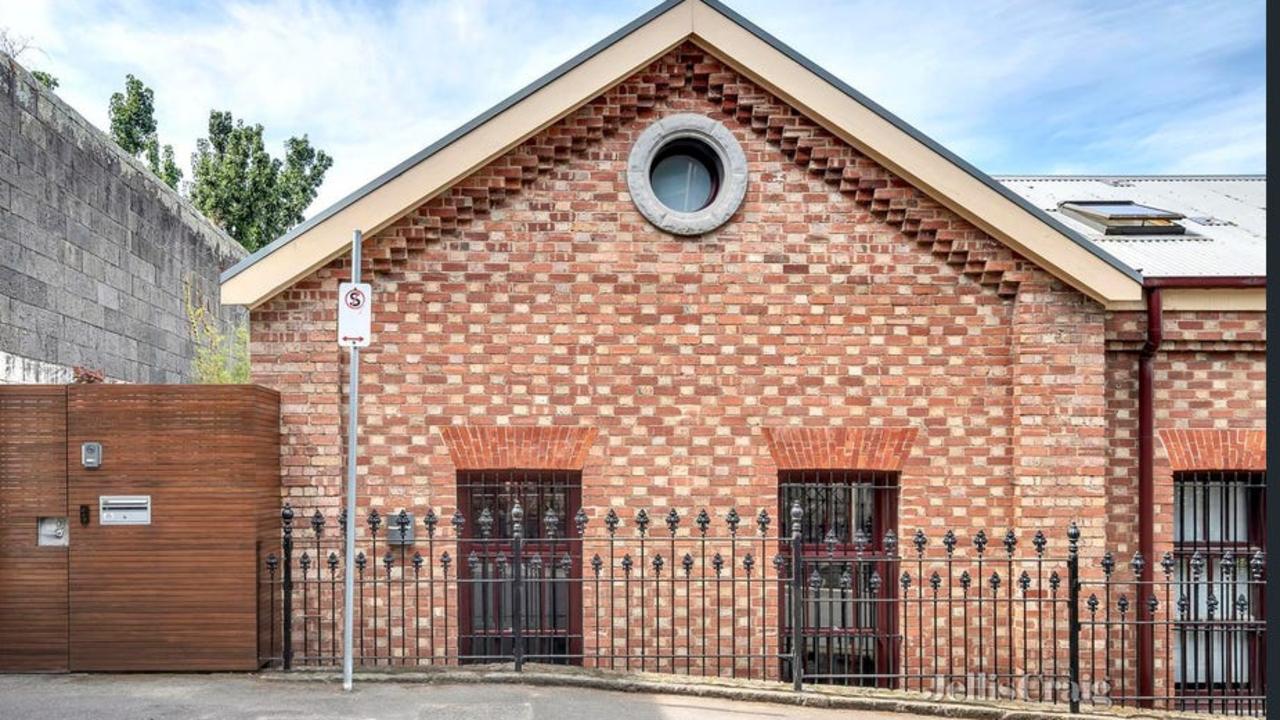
{"points": [[286, 587], [1073, 617], [797, 601], [517, 579], [1146, 616]]}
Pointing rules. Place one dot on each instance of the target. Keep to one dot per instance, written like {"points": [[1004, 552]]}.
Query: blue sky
{"points": [[1013, 87]]}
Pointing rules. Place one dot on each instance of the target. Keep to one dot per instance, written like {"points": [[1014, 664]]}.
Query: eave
{"points": [[837, 107]]}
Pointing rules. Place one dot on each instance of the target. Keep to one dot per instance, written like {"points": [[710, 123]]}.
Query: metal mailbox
{"points": [[124, 509], [397, 535]]}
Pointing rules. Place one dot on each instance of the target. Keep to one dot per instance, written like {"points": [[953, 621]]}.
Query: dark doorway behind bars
{"points": [[849, 633], [552, 603]]}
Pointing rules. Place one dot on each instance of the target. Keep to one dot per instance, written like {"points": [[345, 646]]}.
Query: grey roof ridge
{"points": [[622, 32], [1133, 176]]}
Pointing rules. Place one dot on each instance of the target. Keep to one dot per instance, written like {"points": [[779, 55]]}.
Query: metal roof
{"points": [[1226, 219]]}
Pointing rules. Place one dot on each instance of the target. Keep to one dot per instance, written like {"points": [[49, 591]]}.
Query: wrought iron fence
{"points": [[1019, 617]]}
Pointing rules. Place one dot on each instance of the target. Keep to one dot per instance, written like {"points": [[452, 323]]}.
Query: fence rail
{"points": [[1016, 617]]}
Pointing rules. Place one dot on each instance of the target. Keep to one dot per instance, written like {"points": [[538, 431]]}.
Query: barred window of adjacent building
{"points": [[849, 631], [1219, 528]]}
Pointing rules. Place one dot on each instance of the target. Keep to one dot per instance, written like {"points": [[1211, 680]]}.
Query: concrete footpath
{"points": [[200, 697]]}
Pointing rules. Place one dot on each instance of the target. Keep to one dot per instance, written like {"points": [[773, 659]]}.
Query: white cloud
{"points": [[1223, 141], [1011, 86], [1020, 86]]}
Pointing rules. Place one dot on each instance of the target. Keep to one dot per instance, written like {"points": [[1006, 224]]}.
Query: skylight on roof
{"points": [[1123, 217]]}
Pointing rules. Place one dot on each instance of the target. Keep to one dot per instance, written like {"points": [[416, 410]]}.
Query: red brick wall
{"points": [[838, 301], [838, 297], [1210, 375], [1210, 378]]}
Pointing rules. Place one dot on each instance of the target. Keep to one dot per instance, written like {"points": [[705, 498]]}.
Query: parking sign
{"points": [[355, 316]]}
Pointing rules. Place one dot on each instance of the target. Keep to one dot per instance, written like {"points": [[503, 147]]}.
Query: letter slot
{"points": [[124, 509]]}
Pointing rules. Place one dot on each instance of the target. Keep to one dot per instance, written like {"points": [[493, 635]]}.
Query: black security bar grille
{"points": [[552, 617], [851, 634], [1215, 632]]}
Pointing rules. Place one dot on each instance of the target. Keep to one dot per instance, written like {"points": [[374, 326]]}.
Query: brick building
{"points": [[689, 269]]}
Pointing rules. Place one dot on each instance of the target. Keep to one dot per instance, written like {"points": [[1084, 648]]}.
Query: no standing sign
{"points": [[355, 314], [355, 311]]}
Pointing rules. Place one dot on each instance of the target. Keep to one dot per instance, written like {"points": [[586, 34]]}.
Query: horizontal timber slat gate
{"points": [[172, 588], [1012, 617]]}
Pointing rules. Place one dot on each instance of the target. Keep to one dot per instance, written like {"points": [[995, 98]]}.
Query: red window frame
{"points": [[484, 634], [825, 496]]}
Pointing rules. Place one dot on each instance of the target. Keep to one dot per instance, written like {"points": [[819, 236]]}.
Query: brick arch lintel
{"points": [[840, 448], [481, 447], [1215, 449]]}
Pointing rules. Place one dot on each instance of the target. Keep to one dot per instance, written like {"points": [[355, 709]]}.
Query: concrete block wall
{"points": [[94, 250]]}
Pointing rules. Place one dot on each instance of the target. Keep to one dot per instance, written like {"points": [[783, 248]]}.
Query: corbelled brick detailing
{"points": [[840, 449], [888, 198], [474, 447], [533, 293], [1215, 449], [1191, 330], [474, 198]]}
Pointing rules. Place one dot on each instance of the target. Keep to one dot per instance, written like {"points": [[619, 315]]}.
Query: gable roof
{"points": [[851, 116]]}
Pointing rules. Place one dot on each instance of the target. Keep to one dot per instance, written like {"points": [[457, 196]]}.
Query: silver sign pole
{"points": [[348, 580]]}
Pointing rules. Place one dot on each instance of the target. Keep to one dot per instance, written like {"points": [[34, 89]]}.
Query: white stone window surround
{"points": [[732, 166]]}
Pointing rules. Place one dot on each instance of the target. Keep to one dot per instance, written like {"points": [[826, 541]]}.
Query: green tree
{"points": [[133, 116], [161, 163], [238, 185], [219, 357], [15, 45], [133, 126], [48, 81]]}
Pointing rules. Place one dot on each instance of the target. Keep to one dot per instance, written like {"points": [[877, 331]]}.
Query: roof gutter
{"points": [[1206, 282]]}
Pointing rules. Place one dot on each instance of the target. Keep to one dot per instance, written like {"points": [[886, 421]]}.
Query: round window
{"points": [[687, 174]]}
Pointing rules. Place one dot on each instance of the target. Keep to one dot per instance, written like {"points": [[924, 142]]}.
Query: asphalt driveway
{"points": [[197, 697]]}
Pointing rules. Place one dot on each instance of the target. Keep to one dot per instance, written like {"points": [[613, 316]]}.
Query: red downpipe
{"points": [[1146, 447], [1146, 484]]}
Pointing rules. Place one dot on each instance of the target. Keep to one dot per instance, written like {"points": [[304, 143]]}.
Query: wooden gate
{"points": [[33, 484], [177, 593]]}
